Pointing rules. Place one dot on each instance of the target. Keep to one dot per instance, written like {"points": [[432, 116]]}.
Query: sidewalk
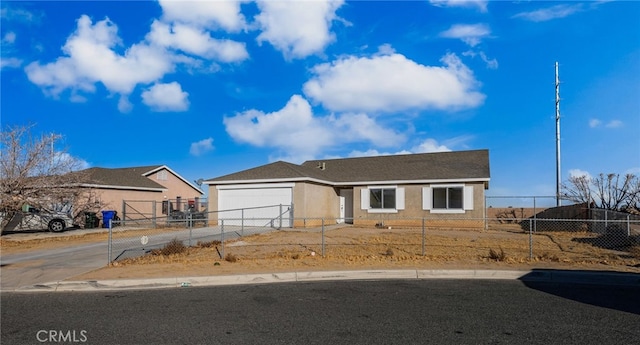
{"points": [[542, 275]]}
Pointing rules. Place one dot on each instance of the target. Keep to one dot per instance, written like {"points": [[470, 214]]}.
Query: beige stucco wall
{"points": [[112, 200], [175, 186], [212, 204], [413, 213], [144, 203], [314, 202]]}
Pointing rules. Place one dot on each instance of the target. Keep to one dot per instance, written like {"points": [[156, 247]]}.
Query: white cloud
{"points": [[372, 152], [306, 135], [166, 97], [309, 135], [614, 124], [196, 42], [9, 38], [579, 173], [549, 13], [430, 145], [459, 142], [225, 15], [19, 15], [426, 146], [64, 159], [595, 123], [491, 63], [90, 58], [10, 63], [201, 147], [297, 28], [391, 83], [481, 5], [361, 127], [471, 34], [386, 49], [124, 105]]}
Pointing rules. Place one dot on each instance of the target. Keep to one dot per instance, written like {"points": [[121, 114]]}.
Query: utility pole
{"points": [[558, 177]]}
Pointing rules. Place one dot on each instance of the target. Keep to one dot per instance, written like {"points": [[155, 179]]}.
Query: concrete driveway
{"points": [[57, 264]]}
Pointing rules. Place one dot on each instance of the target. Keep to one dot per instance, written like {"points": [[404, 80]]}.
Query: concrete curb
{"points": [[578, 277]]}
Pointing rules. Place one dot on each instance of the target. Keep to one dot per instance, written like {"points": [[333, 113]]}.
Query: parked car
{"points": [[33, 218], [56, 221]]}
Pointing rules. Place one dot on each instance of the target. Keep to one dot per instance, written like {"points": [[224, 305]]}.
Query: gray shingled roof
{"points": [[424, 166], [122, 177], [276, 170]]}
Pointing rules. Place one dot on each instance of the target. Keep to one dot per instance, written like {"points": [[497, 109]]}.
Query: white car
{"points": [[57, 221], [33, 218]]}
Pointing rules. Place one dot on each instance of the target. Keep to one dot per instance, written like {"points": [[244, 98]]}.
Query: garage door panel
{"points": [[253, 206]]}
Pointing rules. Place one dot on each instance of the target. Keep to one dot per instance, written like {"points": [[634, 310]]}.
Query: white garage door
{"points": [[263, 205]]}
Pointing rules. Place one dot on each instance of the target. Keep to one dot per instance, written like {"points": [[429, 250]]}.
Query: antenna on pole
{"points": [[558, 177]]}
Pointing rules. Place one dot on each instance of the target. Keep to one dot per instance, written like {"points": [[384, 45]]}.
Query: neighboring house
{"points": [[365, 191], [145, 187]]}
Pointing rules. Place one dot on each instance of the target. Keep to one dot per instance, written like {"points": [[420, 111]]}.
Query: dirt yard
{"points": [[355, 248]]}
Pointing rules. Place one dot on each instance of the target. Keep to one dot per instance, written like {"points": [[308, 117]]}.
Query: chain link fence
{"points": [[164, 213], [176, 232], [515, 240]]}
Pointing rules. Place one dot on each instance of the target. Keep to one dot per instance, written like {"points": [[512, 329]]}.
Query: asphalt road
{"points": [[341, 312]]}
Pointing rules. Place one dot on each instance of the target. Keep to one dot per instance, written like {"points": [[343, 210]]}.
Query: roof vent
{"points": [[321, 166]]}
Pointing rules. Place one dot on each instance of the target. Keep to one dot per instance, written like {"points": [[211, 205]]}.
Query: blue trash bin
{"points": [[106, 217]]}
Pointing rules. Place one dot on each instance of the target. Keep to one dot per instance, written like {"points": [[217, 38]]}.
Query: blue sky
{"points": [[211, 88]]}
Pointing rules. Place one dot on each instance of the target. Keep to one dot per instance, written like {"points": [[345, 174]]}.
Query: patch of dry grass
{"points": [[497, 256], [383, 248], [370, 248]]}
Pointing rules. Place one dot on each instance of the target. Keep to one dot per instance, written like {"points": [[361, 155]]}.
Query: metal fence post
{"points": [[190, 220], [486, 214], [535, 216], [323, 237], [242, 222], [109, 245], [124, 209], [280, 218], [530, 240], [153, 210], [628, 226], [423, 238], [222, 237]]}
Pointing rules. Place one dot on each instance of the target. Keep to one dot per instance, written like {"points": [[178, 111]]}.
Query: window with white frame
{"points": [[455, 198], [382, 199], [447, 198]]}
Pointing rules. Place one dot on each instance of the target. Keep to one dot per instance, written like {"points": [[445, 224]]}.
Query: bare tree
{"points": [[33, 172], [607, 191]]}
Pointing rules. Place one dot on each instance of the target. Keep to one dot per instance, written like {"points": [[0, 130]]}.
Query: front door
{"points": [[346, 206]]}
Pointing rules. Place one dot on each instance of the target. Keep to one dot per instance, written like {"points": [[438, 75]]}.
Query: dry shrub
{"points": [[174, 247], [389, 252], [493, 255], [208, 244], [549, 257], [230, 258], [635, 251]]}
